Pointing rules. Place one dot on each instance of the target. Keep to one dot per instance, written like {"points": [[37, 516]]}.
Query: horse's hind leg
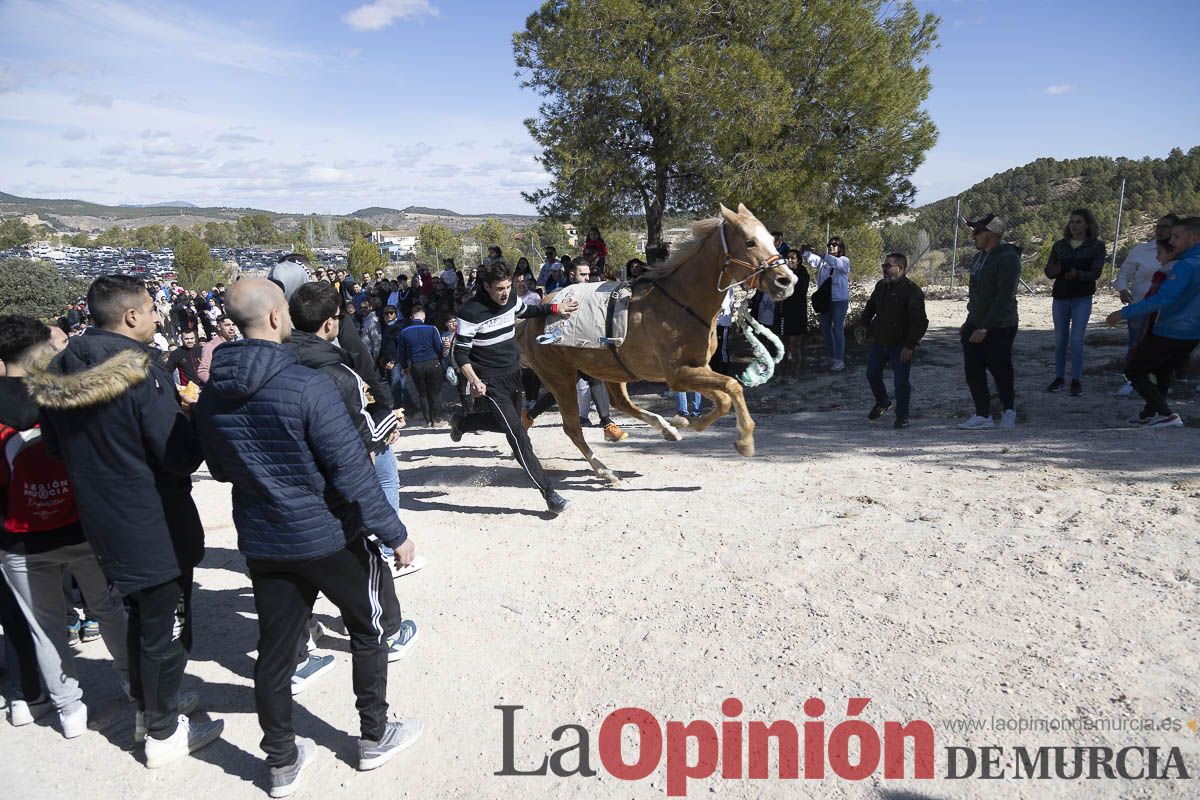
{"points": [[562, 385], [619, 397], [725, 392]]}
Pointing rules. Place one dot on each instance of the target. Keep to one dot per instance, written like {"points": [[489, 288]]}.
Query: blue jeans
{"points": [[1136, 328], [682, 401], [877, 357], [398, 397], [1070, 322], [833, 325], [389, 481]]}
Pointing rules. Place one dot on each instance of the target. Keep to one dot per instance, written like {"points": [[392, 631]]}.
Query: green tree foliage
{"points": [[622, 246], [36, 289], [437, 241], [116, 236], [303, 249], [220, 234], [80, 239], [175, 236], [791, 106], [364, 257], [256, 229], [14, 233], [195, 266], [494, 233], [550, 233], [150, 237], [350, 229]]}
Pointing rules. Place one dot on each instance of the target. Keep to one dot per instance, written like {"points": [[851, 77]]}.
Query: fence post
{"points": [[954, 251], [1117, 236]]}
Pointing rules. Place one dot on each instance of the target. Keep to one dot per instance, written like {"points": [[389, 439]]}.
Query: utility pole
{"points": [[1117, 236], [954, 251]]}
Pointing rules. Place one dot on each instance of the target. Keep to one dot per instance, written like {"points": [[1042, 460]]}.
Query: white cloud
{"points": [[94, 99], [1058, 88], [379, 14], [156, 28], [8, 79], [74, 134]]}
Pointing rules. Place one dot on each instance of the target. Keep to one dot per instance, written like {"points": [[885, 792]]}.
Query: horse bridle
{"points": [[730, 260]]}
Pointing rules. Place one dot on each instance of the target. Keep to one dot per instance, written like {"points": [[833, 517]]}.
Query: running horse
{"points": [[671, 333]]}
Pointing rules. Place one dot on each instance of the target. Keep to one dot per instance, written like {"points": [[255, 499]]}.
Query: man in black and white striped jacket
{"points": [[486, 351]]}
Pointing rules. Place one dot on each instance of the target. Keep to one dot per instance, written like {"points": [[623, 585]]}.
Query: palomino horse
{"points": [[671, 333]]}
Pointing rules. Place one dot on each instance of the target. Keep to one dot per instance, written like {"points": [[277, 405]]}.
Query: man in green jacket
{"points": [[894, 319], [987, 335]]}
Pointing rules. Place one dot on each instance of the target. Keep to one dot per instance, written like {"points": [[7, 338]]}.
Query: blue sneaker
{"points": [[89, 631], [73, 633], [309, 671], [402, 642]]}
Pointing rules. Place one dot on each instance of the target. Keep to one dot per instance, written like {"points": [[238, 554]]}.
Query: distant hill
{"points": [[167, 204], [1036, 199], [374, 211], [432, 212]]}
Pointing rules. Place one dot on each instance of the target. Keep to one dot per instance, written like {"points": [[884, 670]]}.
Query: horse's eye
{"points": [[751, 243]]}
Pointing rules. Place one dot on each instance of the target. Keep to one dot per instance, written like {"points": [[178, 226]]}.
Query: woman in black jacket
{"points": [[1075, 264]]}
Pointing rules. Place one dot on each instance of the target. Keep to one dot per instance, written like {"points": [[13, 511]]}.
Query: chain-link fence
{"points": [[940, 249]]}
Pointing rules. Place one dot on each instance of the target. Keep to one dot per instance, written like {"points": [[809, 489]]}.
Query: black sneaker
{"points": [[1076, 389], [556, 503], [1056, 385], [878, 410], [455, 431], [901, 422]]}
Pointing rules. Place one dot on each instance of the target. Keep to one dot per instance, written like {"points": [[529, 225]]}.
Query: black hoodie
{"points": [[111, 413]]}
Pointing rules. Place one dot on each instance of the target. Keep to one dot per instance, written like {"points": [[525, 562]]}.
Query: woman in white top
{"points": [[835, 265]]}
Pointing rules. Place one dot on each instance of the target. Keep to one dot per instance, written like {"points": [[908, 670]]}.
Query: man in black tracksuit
{"points": [[486, 352], [304, 496]]}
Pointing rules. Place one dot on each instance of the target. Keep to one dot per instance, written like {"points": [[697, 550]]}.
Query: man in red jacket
{"points": [[41, 539]]}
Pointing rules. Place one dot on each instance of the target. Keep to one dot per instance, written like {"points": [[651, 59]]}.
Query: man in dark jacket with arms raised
{"points": [[304, 495]]}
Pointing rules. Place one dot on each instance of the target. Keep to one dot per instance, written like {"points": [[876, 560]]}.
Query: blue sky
{"points": [[336, 105]]}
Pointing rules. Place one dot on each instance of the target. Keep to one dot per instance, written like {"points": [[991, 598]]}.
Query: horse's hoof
{"points": [[610, 477], [680, 422], [745, 448], [671, 435]]}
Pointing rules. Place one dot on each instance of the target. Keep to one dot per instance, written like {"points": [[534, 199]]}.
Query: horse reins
{"points": [[730, 260]]}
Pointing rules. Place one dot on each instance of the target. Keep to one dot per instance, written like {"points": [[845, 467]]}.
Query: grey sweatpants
{"points": [[37, 581]]}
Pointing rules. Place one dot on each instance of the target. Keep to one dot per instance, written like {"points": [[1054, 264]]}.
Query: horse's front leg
{"points": [[725, 393], [619, 396]]}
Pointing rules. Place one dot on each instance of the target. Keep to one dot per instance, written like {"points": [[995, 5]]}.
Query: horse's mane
{"points": [[701, 230]]}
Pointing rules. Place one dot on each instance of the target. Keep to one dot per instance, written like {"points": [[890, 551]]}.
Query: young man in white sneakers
{"points": [[987, 335], [305, 496], [40, 538], [1173, 335], [111, 413]]}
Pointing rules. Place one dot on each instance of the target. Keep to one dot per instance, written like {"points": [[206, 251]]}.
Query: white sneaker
{"points": [[417, 564], [977, 423], [22, 712], [838, 366], [1125, 390], [188, 738], [1008, 420], [1164, 421], [285, 780], [187, 704], [74, 725]]}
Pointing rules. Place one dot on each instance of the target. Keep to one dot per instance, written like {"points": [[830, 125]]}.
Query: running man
{"points": [[485, 350]]}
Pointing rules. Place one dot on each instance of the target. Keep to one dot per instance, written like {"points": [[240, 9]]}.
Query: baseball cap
{"points": [[988, 222], [288, 276]]}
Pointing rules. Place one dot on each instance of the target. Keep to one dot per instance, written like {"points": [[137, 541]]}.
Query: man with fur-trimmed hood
{"points": [[111, 412]]}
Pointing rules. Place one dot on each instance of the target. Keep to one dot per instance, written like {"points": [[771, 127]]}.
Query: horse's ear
{"points": [[727, 214], [743, 211]]}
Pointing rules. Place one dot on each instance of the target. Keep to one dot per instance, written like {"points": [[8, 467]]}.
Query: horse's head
{"points": [[751, 257]]}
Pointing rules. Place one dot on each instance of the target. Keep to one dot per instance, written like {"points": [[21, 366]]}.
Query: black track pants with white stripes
{"points": [[500, 411], [284, 592]]}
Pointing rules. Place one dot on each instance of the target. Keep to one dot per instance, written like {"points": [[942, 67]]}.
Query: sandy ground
{"points": [[1049, 572]]}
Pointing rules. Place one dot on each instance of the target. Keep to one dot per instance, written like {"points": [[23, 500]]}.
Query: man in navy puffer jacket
{"points": [[304, 495]]}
